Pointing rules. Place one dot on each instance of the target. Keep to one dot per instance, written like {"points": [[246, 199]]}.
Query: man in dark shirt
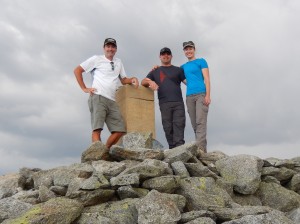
{"points": [[167, 79]]}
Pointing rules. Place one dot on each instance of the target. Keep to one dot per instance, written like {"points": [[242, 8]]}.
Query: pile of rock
{"points": [[138, 182]]}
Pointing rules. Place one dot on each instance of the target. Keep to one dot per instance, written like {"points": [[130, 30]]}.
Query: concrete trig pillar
{"points": [[137, 108]]}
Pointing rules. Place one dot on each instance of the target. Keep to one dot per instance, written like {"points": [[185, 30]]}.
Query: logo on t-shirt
{"points": [[162, 76]]}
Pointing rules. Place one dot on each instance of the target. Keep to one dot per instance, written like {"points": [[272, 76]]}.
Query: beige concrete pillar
{"points": [[137, 108]]}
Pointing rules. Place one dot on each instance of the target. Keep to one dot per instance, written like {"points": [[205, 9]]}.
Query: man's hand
{"points": [[91, 91], [152, 84], [135, 82]]}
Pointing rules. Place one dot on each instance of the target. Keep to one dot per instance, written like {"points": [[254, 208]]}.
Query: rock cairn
{"points": [[139, 182]]}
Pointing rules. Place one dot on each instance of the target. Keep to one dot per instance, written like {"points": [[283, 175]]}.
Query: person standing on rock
{"points": [[106, 71], [198, 92], [166, 79]]}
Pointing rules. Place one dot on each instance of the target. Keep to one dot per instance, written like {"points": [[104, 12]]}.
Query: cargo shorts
{"points": [[104, 110]]}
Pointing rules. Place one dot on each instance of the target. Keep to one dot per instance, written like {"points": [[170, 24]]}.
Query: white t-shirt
{"points": [[104, 79]]}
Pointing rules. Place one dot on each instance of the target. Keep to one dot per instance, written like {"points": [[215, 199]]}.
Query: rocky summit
{"points": [[140, 182]]}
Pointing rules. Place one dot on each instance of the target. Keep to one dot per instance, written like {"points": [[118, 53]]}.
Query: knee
{"points": [[97, 131], [119, 134]]}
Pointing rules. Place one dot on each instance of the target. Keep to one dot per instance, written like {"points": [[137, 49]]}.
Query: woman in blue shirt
{"points": [[198, 92]]}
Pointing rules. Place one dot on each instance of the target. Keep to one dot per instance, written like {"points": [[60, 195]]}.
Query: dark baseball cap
{"points": [[110, 41], [165, 50], [188, 44]]}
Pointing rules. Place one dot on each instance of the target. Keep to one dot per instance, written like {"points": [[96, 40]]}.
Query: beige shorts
{"points": [[104, 110]]}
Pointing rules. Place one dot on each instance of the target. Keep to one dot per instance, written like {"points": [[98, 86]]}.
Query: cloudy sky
{"points": [[252, 48]]}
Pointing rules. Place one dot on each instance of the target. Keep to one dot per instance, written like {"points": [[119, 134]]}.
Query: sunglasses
{"points": [[112, 65]]}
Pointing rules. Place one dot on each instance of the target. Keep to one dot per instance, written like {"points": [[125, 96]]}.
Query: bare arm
{"points": [[78, 74], [149, 83], [205, 73], [134, 81]]}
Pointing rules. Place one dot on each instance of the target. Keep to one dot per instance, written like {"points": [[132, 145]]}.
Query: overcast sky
{"points": [[252, 49]]}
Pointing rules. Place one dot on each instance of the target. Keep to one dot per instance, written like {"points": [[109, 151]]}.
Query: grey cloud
{"points": [[252, 49]]}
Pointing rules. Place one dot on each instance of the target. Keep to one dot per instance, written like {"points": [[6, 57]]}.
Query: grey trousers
{"points": [[198, 114], [173, 121]]}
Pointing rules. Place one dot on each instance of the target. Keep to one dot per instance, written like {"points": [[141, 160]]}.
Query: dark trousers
{"points": [[173, 121]]}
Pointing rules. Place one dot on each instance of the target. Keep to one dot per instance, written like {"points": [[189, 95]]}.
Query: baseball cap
{"points": [[188, 44], [110, 41], [165, 50]]}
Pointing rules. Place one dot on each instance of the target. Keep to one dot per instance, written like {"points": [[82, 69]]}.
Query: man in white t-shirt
{"points": [[106, 72]]}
